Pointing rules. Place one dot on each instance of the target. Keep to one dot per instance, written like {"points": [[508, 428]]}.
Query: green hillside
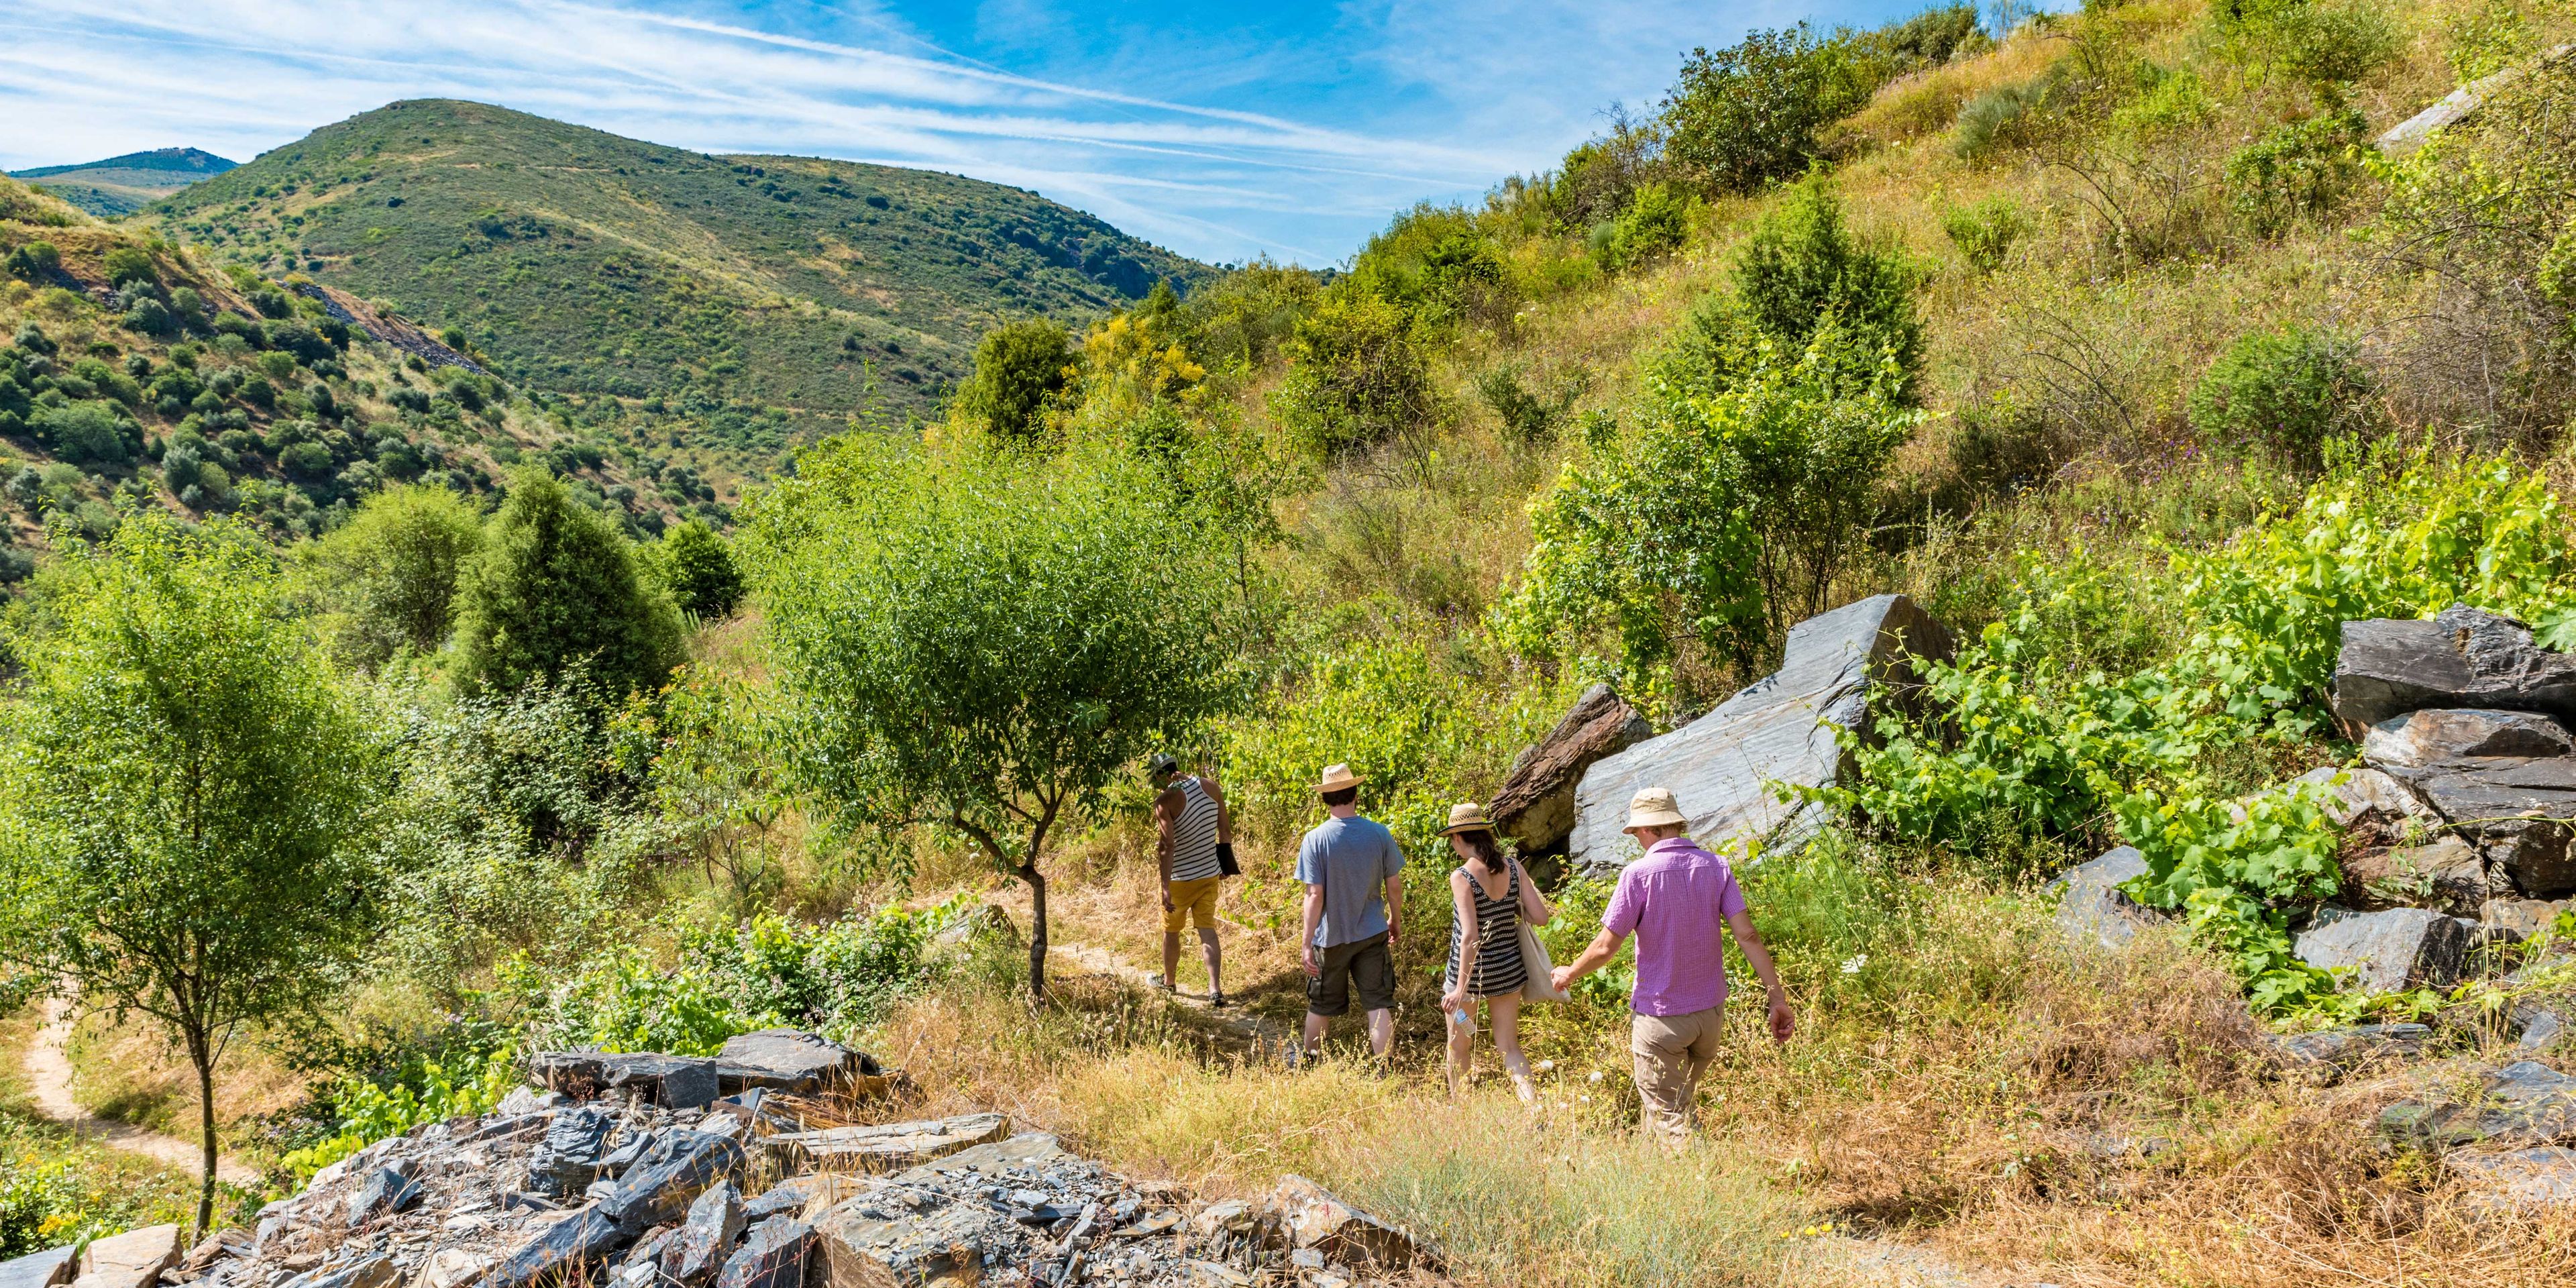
{"points": [[121, 185], [587, 263]]}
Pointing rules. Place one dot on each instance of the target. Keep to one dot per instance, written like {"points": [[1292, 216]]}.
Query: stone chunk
{"points": [[787, 1060], [2524, 1180], [773, 1257], [671, 1081], [367, 1272], [1315, 1219], [2090, 907], [560, 1251], [2443, 735], [1535, 805], [888, 1147], [2462, 658], [1030, 1150], [2522, 1104], [39, 1269], [2521, 918], [2390, 950], [133, 1259], [453, 1267], [524, 1100], [386, 1190], [698, 1249], [2447, 873], [863, 1249], [669, 1177], [2340, 1051], [569, 1157], [1729, 767]]}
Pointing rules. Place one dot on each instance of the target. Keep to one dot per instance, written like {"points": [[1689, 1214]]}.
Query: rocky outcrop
{"points": [[886, 1147], [2329, 1054], [2399, 948], [2520, 1105], [2090, 907], [2452, 108], [2519, 1181], [2439, 736], [1535, 806], [2463, 658], [134, 1259], [48, 1269], [1737, 770]]}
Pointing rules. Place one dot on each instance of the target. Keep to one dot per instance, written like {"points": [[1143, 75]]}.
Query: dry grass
{"points": [[133, 1073]]}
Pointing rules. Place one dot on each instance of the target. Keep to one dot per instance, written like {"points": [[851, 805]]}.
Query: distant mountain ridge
{"points": [[580, 261], [121, 185]]}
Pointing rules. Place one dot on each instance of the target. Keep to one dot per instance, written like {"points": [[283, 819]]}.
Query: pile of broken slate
{"points": [[2457, 829], [659, 1171]]}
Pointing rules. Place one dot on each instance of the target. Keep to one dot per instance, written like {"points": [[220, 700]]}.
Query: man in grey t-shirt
{"points": [[1354, 914]]}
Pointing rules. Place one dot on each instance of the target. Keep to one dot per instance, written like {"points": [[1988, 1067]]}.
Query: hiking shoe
{"points": [[1165, 985], [1217, 1001]]}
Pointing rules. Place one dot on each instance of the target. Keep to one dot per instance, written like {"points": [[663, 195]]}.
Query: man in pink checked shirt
{"points": [[1674, 901]]}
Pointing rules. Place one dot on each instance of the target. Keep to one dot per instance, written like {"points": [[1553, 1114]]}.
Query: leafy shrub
{"points": [[1527, 417], [699, 570], [1985, 232], [35, 261], [126, 264], [1803, 272], [2327, 43], [1022, 371], [2298, 171], [1656, 222], [87, 433], [2003, 117], [1356, 373], [1750, 114], [557, 586], [2291, 391], [366, 1110]]}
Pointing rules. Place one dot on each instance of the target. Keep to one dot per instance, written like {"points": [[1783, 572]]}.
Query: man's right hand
{"points": [[1562, 977], [1314, 968]]}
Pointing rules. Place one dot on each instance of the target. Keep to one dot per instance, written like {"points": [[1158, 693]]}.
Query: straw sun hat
{"points": [[1337, 778], [1654, 807], [1469, 817]]}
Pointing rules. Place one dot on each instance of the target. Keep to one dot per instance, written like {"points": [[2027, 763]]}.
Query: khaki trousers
{"points": [[1671, 1052]]}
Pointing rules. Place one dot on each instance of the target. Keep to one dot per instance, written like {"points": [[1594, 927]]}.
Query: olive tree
{"points": [[979, 640], [185, 825]]}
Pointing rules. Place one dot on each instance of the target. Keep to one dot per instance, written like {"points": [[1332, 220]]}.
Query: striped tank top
{"points": [[1194, 834], [1499, 968]]}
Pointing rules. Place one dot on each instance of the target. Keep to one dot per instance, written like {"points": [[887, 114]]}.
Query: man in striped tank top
{"points": [[1193, 844]]}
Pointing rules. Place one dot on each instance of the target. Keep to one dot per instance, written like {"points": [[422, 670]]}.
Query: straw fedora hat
{"points": [[1336, 778], [1468, 817], [1654, 807]]}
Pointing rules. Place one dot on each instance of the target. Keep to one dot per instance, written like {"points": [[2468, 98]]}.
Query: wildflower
{"points": [[1851, 966]]}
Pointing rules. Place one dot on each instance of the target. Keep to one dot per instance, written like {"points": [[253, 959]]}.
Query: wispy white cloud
{"points": [[1293, 139]]}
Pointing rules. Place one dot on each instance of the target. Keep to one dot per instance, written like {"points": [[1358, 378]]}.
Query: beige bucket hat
{"points": [[1336, 778], [1467, 817], [1654, 807]]}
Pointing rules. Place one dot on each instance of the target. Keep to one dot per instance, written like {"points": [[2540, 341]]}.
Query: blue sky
{"points": [[1220, 131]]}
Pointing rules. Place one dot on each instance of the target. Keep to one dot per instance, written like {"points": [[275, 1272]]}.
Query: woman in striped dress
{"points": [[1493, 899]]}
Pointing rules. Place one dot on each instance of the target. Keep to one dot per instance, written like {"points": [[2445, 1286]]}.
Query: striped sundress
{"points": [[1499, 968], [1194, 835]]}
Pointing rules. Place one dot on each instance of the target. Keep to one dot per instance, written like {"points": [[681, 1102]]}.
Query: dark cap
{"points": [[1161, 764]]}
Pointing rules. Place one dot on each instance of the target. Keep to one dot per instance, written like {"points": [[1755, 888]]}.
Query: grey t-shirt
{"points": [[1352, 859]]}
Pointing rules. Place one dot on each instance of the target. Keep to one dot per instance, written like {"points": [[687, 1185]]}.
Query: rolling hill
{"points": [[119, 186], [582, 262]]}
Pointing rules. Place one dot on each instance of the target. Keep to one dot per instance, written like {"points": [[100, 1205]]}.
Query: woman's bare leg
{"points": [[1505, 1011]]}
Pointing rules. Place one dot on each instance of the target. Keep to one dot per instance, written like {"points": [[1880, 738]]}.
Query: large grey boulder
{"points": [[2522, 1104], [2461, 658], [698, 1248], [2517, 811], [40, 1269], [561, 1251], [670, 1176], [671, 1081], [2521, 1180], [2090, 907], [1313, 1217], [2392, 949], [2444, 734], [787, 1060], [1535, 805], [1731, 768], [134, 1259]]}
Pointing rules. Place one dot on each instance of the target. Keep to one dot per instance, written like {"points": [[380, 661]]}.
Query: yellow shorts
{"points": [[1192, 901]]}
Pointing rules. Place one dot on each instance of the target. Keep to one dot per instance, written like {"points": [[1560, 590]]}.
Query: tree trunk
{"points": [[1037, 930], [201, 1053]]}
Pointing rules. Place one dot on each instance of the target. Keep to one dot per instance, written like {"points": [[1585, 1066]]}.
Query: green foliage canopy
{"points": [[1021, 372], [1750, 114], [699, 569], [556, 586], [981, 642], [389, 575], [177, 734]]}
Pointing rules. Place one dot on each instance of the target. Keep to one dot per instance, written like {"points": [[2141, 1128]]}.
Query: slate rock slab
{"points": [[2520, 918], [698, 1248], [669, 1177], [2522, 1104], [569, 1157], [2446, 873], [951, 1243], [366, 1272], [2522, 1180], [49, 1269], [2390, 950], [563, 1249], [133, 1259], [1727, 767], [2090, 907], [2463, 658], [386, 1190], [1535, 805], [887, 1147], [1315, 1219], [787, 1060], [774, 1256], [2444, 734]]}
